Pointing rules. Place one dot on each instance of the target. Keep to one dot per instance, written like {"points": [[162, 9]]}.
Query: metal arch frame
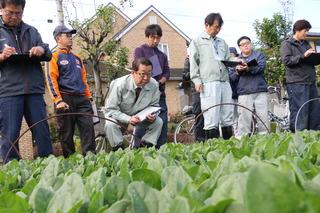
{"points": [[235, 104], [46, 119], [297, 116]]}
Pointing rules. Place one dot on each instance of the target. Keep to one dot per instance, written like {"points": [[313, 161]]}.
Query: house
{"points": [[314, 40], [130, 34]]}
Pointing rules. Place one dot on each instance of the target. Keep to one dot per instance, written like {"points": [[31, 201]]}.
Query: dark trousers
{"points": [[66, 124], [164, 116], [139, 132], [309, 116], [199, 122], [12, 110]]}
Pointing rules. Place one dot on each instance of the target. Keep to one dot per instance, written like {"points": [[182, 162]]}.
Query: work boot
{"points": [[212, 133], [119, 146], [227, 132]]}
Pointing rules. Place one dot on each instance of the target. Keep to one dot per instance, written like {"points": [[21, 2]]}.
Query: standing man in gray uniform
{"points": [[211, 79], [129, 95]]}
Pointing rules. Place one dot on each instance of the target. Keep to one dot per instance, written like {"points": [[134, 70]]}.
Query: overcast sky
{"points": [[188, 15]]}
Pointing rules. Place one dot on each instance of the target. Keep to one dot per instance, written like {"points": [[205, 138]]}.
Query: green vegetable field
{"points": [[273, 173]]}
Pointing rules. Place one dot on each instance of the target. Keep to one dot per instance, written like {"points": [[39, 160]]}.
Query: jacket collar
{"points": [[63, 50], [205, 35], [23, 26], [147, 46], [295, 42]]}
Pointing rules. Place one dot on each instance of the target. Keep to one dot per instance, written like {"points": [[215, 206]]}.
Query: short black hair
{"points": [[137, 62], [152, 30], [212, 17], [300, 25], [242, 38], [21, 3]]}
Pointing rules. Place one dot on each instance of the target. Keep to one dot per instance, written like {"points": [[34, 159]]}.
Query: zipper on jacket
{"points": [[18, 44], [17, 41]]}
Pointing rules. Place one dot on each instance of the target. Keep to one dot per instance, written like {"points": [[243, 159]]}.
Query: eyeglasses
{"points": [[142, 75], [246, 43], [12, 13], [68, 35]]}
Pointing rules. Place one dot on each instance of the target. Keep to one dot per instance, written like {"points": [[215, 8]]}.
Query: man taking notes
{"points": [[129, 95]]}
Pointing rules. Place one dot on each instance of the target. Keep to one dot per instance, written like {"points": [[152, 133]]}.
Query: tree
{"points": [[108, 60], [122, 2], [270, 33]]}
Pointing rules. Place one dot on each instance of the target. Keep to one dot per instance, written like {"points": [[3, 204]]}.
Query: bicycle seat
{"points": [[187, 110]]}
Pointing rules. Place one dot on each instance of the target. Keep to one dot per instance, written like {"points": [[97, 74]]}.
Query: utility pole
{"points": [[95, 7], [60, 12], [288, 9]]}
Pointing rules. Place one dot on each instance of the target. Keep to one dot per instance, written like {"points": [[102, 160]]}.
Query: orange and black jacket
{"points": [[66, 75]]}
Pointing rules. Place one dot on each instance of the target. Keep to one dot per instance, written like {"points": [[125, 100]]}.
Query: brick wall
{"points": [[25, 143]]}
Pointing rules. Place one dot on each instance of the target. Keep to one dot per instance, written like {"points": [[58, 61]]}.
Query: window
{"points": [[164, 48], [317, 44], [153, 20]]}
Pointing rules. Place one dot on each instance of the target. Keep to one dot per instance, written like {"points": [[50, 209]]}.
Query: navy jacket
{"points": [[22, 77], [252, 81]]}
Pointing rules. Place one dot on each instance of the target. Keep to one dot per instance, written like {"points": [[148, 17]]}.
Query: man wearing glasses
{"points": [[252, 88], [70, 92], [129, 95], [211, 79], [21, 81]]}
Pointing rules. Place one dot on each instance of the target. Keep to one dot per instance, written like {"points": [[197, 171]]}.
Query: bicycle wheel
{"points": [[101, 143], [184, 132]]}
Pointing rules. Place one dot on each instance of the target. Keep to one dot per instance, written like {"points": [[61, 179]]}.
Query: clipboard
{"points": [[231, 63], [252, 63], [313, 59], [147, 111], [156, 68], [19, 57]]}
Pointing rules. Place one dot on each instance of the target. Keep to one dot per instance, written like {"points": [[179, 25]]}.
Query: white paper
{"points": [[147, 111], [156, 70], [95, 112]]}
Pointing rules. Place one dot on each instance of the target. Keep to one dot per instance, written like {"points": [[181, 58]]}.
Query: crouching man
{"points": [[129, 95]]}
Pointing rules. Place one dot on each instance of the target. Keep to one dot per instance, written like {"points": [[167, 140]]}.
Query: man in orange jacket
{"points": [[70, 92]]}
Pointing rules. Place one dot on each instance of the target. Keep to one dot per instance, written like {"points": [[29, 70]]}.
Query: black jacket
{"points": [[252, 81], [19, 77], [298, 70]]}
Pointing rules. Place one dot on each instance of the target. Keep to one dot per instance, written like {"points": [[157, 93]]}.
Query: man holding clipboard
{"points": [[300, 60], [129, 99], [21, 81]]}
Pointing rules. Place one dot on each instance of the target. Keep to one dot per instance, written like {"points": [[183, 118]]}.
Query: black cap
{"points": [[62, 29], [233, 50]]}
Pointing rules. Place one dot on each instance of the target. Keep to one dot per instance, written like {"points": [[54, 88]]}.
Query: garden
{"points": [[279, 172]]}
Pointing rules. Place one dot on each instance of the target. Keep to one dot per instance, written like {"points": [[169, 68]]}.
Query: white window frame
{"points": [[153, 20], [317, 46], [162, 46]]}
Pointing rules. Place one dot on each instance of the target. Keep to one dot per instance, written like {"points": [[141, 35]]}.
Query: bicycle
{"points": [[102, 143], [281, 105], [187, 127]]}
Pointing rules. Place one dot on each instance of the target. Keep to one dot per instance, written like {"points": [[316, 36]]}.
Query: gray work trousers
{"points": [[153, 130]]}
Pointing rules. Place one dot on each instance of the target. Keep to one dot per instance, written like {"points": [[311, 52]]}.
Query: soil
{"points": [[184, 138]]}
